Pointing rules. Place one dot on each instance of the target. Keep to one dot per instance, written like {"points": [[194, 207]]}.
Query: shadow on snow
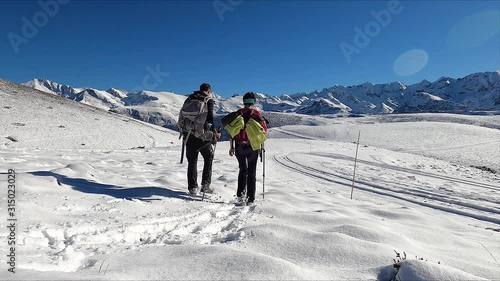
{"points": [[139, 193]]}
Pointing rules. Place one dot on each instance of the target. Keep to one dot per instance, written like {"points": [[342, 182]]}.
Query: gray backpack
{"points": [[193, 117]]}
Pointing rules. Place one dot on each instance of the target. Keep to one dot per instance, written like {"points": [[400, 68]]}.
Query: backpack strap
{"points": [[245, 120], [252, 113], [205, 101], [257, 117]]}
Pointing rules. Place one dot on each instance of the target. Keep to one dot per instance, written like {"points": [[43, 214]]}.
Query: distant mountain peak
{"points": [[117, 93], [474, 92]]}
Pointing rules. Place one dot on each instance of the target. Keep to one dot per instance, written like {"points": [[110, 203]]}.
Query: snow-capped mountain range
{"points": [[472, 93]]}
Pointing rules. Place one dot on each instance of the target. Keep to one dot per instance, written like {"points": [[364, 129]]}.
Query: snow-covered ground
{"points": [[103, 197]]}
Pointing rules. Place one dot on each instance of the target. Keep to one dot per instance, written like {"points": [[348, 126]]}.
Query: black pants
{"points": [[193, 147], [247, 160]]}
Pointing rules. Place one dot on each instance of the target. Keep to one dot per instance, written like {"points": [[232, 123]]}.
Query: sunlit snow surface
{"points": [[100, 197]]}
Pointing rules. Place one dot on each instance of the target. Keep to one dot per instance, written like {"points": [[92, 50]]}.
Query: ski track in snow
{"points": [[474, 145], [404, 185], [382, 165]]}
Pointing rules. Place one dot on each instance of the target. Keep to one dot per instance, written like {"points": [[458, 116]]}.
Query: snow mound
{"points": [[418, 270]]}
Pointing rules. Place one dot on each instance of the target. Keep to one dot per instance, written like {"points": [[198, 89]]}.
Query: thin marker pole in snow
{"points": [[355, 161]]}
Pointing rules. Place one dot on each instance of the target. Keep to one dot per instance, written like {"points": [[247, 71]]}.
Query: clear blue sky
{"points": [[274, 47]]}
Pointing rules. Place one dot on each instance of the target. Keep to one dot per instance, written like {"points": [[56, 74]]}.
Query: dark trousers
{"points": [[193, 147], [247, 161]]}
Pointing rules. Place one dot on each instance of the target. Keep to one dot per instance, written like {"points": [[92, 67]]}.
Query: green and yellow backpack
{"points": [[234, 123]]}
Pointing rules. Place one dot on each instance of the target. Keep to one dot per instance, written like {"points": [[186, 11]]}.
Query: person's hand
{"points": [[218, 135], [231, 151]]}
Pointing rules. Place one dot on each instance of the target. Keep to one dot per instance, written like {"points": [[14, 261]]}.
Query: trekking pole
{"points": [[355, 161], [182, 150], [263, 159]]}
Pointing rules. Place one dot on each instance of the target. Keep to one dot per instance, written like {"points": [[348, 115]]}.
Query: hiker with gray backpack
{"points": [[196, 124]]}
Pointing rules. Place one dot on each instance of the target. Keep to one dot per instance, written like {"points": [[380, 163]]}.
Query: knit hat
{"points": [[205, 87]]}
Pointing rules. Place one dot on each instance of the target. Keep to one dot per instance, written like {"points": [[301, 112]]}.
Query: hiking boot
{"points": [[207, 189], [239, 200], [193, 190]]}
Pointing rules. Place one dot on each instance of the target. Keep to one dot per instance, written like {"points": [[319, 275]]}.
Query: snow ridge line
{"points": [[450, 148], [293, 134]]}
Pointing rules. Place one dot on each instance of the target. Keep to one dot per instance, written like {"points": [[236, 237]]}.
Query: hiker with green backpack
{"points": [[247, 129]]}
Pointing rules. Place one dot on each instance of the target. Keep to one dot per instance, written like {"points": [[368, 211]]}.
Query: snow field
{"points": [[117, 208]]}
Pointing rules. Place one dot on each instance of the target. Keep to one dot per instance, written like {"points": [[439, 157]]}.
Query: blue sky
{"points": [[274, 47]]}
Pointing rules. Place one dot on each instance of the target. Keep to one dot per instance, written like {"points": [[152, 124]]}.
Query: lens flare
{"points": [[410, 62], [474, 30]]}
